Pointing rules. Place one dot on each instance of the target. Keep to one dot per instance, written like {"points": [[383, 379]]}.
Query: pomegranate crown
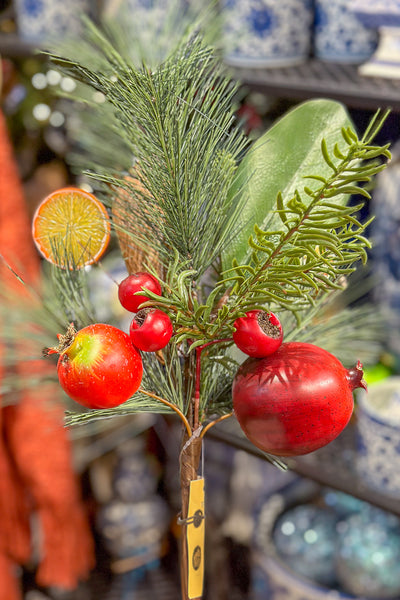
{"points": [[355, 377]]}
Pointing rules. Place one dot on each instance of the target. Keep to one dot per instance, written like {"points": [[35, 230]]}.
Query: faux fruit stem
{"points": [[190, 460], [190, 454], [171, 405]]}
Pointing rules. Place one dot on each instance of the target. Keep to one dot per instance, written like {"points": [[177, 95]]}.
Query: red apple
{"points": [[98, 366]]}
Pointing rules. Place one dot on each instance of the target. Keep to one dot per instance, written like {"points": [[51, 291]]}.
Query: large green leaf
{"points": [[278, 162]]}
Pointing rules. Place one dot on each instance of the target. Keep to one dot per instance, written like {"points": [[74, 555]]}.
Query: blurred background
{"points": [[329, 525]]}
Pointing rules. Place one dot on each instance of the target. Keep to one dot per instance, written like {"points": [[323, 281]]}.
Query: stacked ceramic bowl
{"points": [[339, 35], [268, 33], [332, 546]]}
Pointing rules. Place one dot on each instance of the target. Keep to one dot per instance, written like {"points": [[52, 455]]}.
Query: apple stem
{"points": [[64, 341]]}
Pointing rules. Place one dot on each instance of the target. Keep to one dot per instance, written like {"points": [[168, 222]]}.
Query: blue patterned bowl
{"points": [[287, 585], [368, 554], [378, 436], [271, 572], [266, 33], [321, 544], [339, 36], [305, 538]]}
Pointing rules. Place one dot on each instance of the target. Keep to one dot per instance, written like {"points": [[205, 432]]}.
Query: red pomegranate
{"points": [[296, 400]]}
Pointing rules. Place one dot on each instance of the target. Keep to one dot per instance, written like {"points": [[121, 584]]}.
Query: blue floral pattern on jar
{"points": [[385, 253], [339, 36], [261, 21], [34, 7], [377, 13], [260, 33]]}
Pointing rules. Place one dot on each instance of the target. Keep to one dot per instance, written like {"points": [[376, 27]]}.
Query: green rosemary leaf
{"points": [[280, 207], [337, 152], [347, 189], [374, 152], [325, 154], [316, 178], [347, 138]]}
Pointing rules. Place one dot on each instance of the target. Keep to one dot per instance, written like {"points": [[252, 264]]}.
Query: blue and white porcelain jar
{"points": [[378, 436], [385, 253], [339, 36], [134, 528], [266, 33], [40, 20]]}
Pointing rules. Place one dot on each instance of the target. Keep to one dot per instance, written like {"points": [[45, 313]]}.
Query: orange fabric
{"points": [[9, 586], [36, 474], [16, 244], [41, 454]]}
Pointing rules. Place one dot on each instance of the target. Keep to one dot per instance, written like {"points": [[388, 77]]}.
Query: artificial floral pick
{"points": [[236, 227]]}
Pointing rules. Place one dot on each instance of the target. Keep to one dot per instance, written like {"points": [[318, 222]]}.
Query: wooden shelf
{"points": [[310, 79], [332, 466], [315, 78]]}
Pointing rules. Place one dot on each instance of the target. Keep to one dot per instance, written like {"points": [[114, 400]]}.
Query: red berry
{"points": [[150, 330], [295, 400], [99, 367], [258, 334], [136, 283]]}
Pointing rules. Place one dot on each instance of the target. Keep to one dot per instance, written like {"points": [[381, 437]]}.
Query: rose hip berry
{"points": [[258, 334], [296, 400], [137, 282], [150, 330]]}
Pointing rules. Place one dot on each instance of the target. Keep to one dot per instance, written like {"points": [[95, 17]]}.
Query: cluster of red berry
{"points": [[151, 328]]}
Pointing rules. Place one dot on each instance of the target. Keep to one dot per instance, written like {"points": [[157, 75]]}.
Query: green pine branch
{"points": [[178, 122], [140, 403], [319, 243]]}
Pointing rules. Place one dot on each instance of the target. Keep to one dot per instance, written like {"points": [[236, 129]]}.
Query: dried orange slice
{"points": [[71, 228]]}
